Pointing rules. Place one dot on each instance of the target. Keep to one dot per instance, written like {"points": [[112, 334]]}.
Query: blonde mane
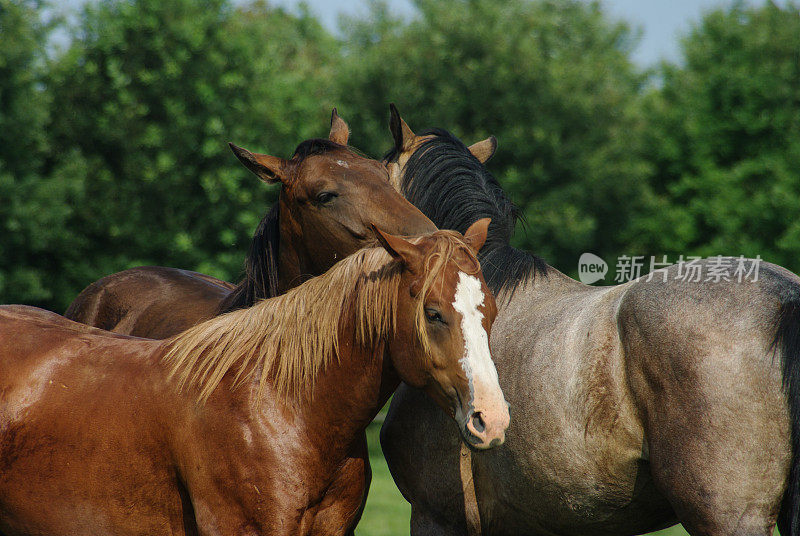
{"points": [[291, 338]]}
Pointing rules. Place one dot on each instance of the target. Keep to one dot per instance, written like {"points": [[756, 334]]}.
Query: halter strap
{"points": [[471, 512]]}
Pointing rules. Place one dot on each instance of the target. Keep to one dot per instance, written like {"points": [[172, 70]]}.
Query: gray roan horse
{"points": [[633, 407]]}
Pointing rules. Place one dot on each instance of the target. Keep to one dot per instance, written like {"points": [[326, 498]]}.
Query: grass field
{"points": [[387, 513]]}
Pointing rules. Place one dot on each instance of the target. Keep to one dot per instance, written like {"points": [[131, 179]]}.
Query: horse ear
{"points": [[269, 169], [402, 134], [475, 236], [340, 132], [484, 150], [399, 248]]}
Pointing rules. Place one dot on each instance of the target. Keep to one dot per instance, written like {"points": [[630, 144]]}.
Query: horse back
{"points": [[31, 338], [149, 301], [81, 430]]}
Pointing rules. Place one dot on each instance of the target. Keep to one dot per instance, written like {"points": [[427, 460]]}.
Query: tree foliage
{"points": [[143, 103], [724, 139], [33, 207], [554, 83], [113, 152]]}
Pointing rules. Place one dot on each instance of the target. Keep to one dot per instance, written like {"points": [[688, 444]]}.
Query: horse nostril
{"points": [[477, 422]]}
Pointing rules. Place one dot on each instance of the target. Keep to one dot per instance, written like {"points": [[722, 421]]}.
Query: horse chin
{"points": [[472, 442], [475, 443]]}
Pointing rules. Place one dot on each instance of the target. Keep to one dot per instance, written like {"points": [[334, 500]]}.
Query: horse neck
{"points": [[349, 393], [545, 286]]}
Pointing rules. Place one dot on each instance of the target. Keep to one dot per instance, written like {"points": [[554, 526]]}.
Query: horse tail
{"points": [[787, 342]]}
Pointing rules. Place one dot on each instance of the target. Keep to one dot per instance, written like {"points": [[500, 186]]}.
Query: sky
{"points": [[662, 22]]}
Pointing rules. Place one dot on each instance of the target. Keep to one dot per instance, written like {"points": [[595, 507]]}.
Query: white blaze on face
{"points": [[477, 360]]}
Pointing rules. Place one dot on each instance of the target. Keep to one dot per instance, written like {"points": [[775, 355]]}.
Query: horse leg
{"points": [[716, 426], [716, 490], [421, 446], [341, 508]]}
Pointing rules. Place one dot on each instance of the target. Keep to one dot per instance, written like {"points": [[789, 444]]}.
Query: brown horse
{"points": [[328, 197], [667, 399], [240, 425]]}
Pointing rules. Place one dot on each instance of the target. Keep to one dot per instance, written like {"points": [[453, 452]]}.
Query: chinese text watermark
{"points": [[592, 268]]}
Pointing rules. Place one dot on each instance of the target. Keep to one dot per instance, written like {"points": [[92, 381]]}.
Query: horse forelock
{"points": [[453, 188], [288, 340], [446, 251], [315, 146], [320, 146]]}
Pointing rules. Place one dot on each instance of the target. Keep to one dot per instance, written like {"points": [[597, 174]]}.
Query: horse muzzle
{"points": [[483, 426]]}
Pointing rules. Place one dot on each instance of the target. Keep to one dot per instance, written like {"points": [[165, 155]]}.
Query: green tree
{"points": [[24, 105], [34, 204], [724, 139], [552, 80], [147, 97]]}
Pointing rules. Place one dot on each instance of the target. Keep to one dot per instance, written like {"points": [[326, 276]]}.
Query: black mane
{"points": [[450, 186], [261, 267]]}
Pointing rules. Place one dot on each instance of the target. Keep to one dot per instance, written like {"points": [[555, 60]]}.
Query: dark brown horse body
{"points": [[329, 196], [671, 398], [236, 427], [150, 301]]}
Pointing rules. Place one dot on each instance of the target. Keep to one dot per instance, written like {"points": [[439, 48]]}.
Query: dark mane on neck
{"points": [[261, 267], [450, 186]]}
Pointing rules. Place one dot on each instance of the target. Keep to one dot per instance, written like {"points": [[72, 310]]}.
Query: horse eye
{"points": [[433, 315], [326, 197]]}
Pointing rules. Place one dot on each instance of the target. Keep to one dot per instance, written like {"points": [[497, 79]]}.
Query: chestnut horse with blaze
{"points": [[329, 196], [240, 425]]}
